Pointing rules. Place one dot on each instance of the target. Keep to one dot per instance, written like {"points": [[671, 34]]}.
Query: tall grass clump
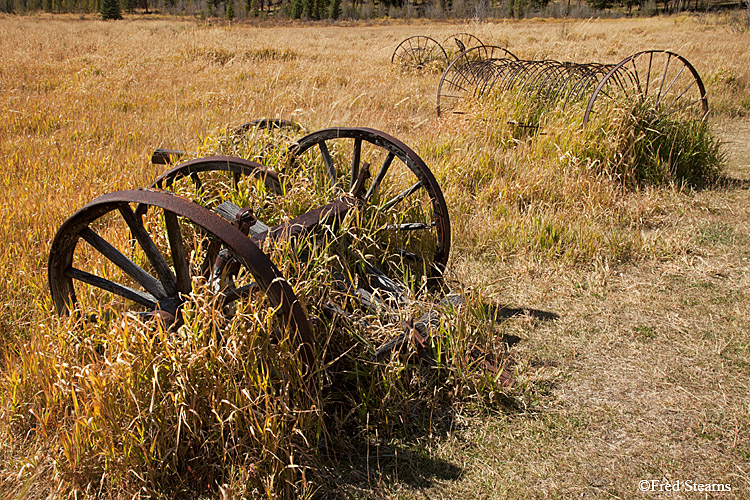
{"points": [[544, 187], [649, 148]]}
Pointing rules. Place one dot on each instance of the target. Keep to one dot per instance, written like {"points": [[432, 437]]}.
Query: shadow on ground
{"points": [[366, 465]]}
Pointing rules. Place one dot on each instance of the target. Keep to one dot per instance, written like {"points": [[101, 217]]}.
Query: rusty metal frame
{"points": [[554, 81]]}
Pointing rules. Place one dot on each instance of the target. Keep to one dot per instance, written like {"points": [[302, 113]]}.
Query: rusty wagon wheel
{"points": [[105, 258], [662, 80], [461, 42], [470, 72], [397, 193], [418, 52]]}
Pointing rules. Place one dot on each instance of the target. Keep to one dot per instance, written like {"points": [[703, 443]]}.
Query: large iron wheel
{"points": [[148, 265], [664, 81], [418, 52], [397, 193]]}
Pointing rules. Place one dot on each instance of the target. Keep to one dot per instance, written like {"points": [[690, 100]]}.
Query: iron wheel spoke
{"points": [[143, 278], [142, 298], [149, 248]]}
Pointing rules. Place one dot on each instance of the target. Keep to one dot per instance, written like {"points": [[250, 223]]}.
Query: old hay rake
{"points": [[352, 207], [660, 79], [419, 52]]}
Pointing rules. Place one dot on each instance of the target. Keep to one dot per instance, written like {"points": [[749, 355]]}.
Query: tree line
{"points": [[354, 9]]}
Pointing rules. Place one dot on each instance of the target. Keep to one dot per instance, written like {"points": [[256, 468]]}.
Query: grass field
{"points": [[643, 374]]}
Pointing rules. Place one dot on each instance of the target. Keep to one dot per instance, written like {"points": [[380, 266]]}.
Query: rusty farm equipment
{"points": [[220, 225], [419, 51], [660, 79]]}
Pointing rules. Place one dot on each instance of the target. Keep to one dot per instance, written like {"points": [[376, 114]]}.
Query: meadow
{"points": [[641, 375]]}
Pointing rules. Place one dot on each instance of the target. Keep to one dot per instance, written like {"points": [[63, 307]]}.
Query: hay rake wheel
{"points": [[152, 272], [664, 81], [418, 52], [400, 192]]}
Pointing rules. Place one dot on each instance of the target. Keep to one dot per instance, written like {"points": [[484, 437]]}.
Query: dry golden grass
{"points": [[644, 374]]}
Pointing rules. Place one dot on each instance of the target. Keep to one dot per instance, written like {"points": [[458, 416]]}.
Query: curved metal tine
{"points": [[518, 69], [564, 86], [137, 273], [519, 75], [501, 66], [636, 79], [545, 69], [693, 82], [588, 72], [618, 77], [555, 73], [486, 75], [179, 257], [490, 83], [551, 88], [145, 299], [549, 68], [473, 72], [513, 68], [586, 83], [379, 176], [148, 246], [666, 91]]}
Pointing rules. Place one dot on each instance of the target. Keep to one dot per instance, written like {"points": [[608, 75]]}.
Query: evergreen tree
{"points": [[335, 9], [230, 9], [110, 9], [296, 9]]}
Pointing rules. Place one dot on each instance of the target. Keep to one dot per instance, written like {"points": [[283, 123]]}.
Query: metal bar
{"points": [[143, 298]]}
